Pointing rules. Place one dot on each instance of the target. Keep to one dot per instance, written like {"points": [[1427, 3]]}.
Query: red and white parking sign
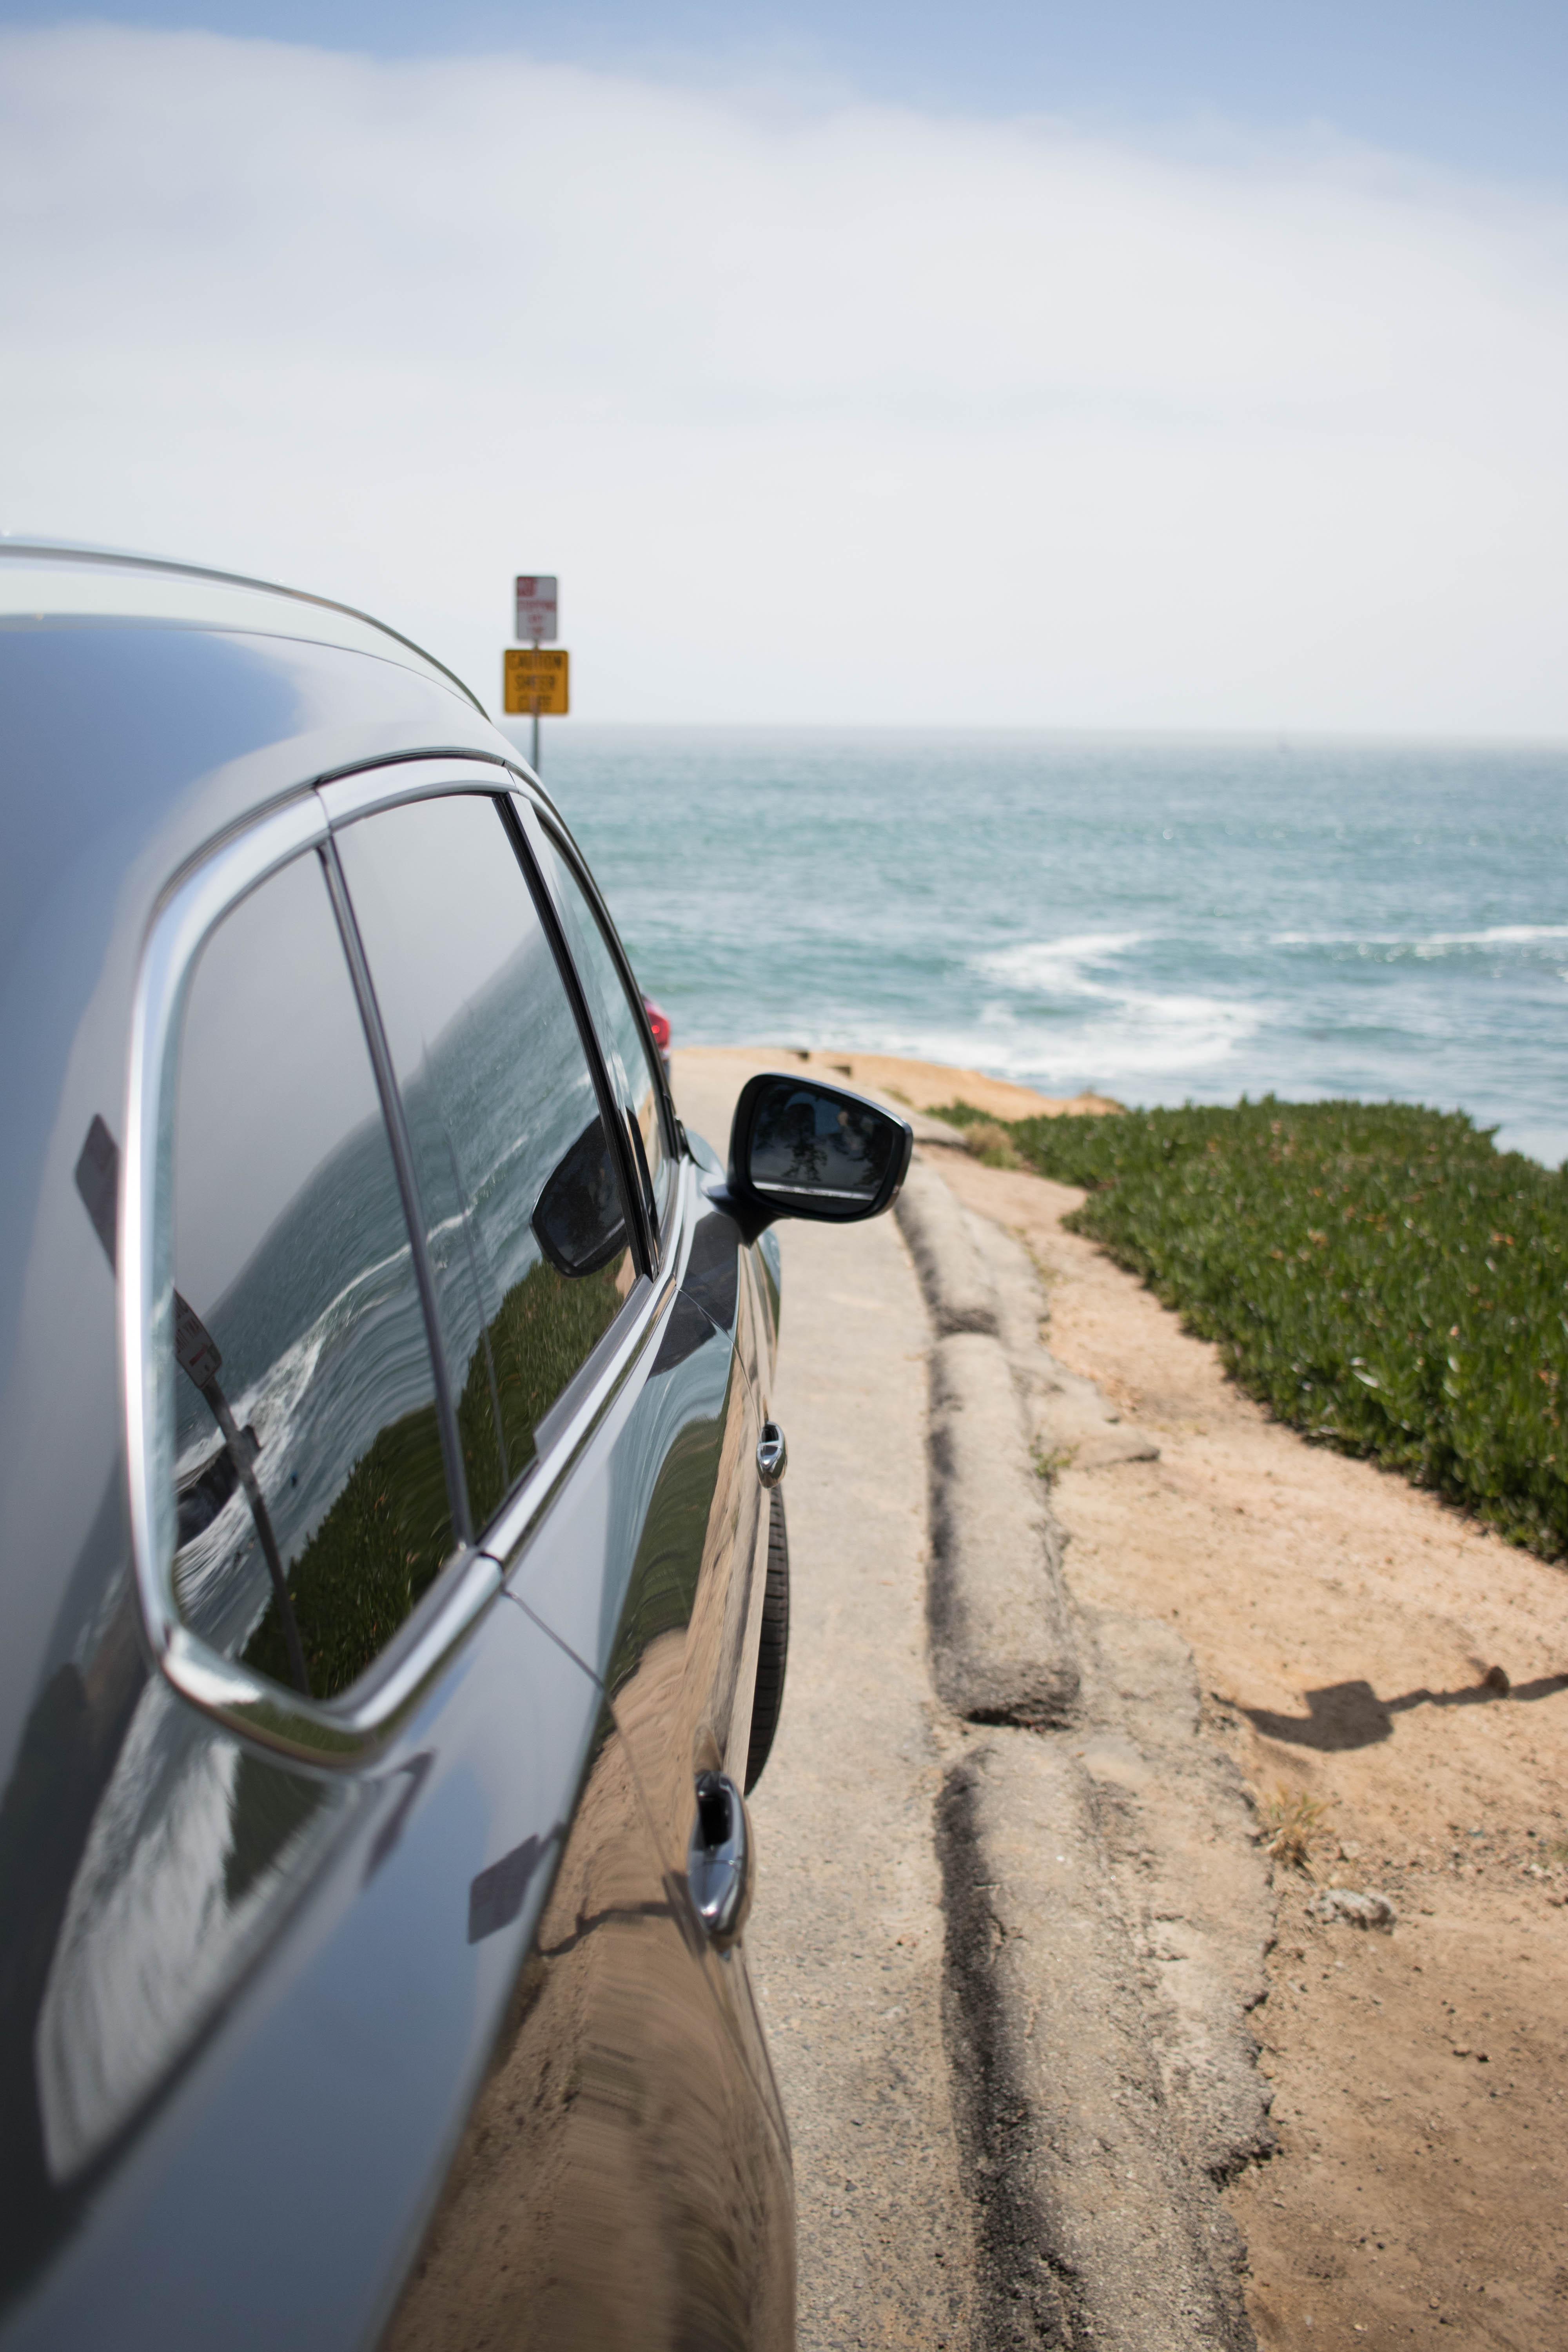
{"points": [[536, 608]]}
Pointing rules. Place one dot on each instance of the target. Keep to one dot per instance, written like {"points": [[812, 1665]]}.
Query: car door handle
{"points": [[718, 1860], [772, 1454]]}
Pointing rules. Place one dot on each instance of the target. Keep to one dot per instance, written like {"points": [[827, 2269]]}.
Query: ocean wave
{"points": [[1132, 1037], [1152, 1036], [1058, 967], [1427, 945], [1098, 1022]]}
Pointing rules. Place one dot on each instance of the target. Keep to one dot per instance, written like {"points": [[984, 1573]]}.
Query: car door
{"points": [[628, 2148], [682, 1670]]}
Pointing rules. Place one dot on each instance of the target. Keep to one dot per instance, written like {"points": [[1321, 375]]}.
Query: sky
{"points": [[1128, 367]]}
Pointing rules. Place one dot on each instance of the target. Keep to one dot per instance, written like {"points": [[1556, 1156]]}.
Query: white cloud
{"points": [[848, 414]]}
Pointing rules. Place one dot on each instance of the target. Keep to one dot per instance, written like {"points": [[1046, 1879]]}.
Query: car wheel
{"points": [[773, 1648]]}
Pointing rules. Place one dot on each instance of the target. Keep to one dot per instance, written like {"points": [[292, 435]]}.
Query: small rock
{"points": [[1495, 1679], [1360, 1910], [1349, 1849]]}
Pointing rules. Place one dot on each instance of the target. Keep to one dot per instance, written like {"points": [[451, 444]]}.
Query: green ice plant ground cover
{"points": [[1377, 1274]]}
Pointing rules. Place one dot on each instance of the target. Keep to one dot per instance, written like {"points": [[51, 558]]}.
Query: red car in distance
{"points": [[658, 1022]]}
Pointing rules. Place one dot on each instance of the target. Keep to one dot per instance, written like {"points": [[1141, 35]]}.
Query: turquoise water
{"points": [[1163, 919]]}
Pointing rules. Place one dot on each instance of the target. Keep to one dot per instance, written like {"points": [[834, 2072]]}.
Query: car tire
{"points": [[773, 1650]]}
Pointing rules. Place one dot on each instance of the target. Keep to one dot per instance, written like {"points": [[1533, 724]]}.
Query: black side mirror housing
{"points": [[800, 1149], [577, 1220]]}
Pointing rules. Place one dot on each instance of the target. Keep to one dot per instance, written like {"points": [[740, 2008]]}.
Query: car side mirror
{"points": [[577, 1220], [800, 1149]]}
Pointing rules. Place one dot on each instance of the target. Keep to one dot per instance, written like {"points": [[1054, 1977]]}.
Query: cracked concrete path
{"points": [[847, 1937]]}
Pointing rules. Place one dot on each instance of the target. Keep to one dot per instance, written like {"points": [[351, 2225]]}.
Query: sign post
{"points": [[537, 607]]}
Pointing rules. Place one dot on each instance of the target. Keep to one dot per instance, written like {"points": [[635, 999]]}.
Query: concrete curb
{"points": [[958, 1290], [1098, 1877], [1094, 2227], [1002, 1650]]}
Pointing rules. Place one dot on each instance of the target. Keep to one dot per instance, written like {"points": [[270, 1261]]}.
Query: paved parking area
{"points": [[846, 1941]]}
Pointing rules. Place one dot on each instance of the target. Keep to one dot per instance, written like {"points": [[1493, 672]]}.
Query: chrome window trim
{"points": [[329, 1734], [519, 817], [558, 836], [365, 791]]}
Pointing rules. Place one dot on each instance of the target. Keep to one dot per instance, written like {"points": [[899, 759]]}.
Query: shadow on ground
{"points": [[1351, 1714]]}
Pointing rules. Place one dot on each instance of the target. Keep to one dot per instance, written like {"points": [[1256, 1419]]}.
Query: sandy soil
{"points": [[922, 1085], [1343, 1623]]}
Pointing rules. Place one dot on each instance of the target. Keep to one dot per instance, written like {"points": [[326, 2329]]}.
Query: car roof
{"points": [[43, 579]]}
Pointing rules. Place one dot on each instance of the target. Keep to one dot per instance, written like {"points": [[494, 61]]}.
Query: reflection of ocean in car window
{"points": [[282, 1162], [500, 1101], [508, 1138], [322, 1341]]}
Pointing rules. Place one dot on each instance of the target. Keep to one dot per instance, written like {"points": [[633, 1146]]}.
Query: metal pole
{"points": [[196, 1353], [240, 1454], [535, 761]]}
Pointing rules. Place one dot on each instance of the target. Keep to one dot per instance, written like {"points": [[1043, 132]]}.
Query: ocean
{"points": [[1163, 919]]}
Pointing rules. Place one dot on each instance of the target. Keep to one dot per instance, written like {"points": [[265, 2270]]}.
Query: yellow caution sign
{"points": [[536, 680]]}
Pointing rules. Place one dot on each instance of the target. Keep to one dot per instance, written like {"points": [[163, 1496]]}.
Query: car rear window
{"points": [[525, 1211], [313, 1504]]}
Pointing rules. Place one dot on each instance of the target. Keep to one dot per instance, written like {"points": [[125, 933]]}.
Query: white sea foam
{"points": [[1432, 943], [1103, 1024], [1059, 967], [1150, 1037], [1499, 935]]}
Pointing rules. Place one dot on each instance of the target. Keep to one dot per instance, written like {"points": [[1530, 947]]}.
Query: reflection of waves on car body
{"points": [[163, 1911]]}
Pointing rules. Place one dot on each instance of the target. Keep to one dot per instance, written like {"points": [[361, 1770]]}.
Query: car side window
{"points": [[526, 1220], [616, 1023], [312, 1508]]}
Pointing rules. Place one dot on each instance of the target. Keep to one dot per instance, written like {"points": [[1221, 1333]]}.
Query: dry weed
{"points": [[1290, 1824], [991, 1144]]}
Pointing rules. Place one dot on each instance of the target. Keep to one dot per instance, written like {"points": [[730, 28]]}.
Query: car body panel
{"points": [[647, 2170], [275, 2193]]}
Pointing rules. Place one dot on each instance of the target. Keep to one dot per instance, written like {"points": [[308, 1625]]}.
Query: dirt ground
{"points": [[1343, 1624], [922, 1086]]}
